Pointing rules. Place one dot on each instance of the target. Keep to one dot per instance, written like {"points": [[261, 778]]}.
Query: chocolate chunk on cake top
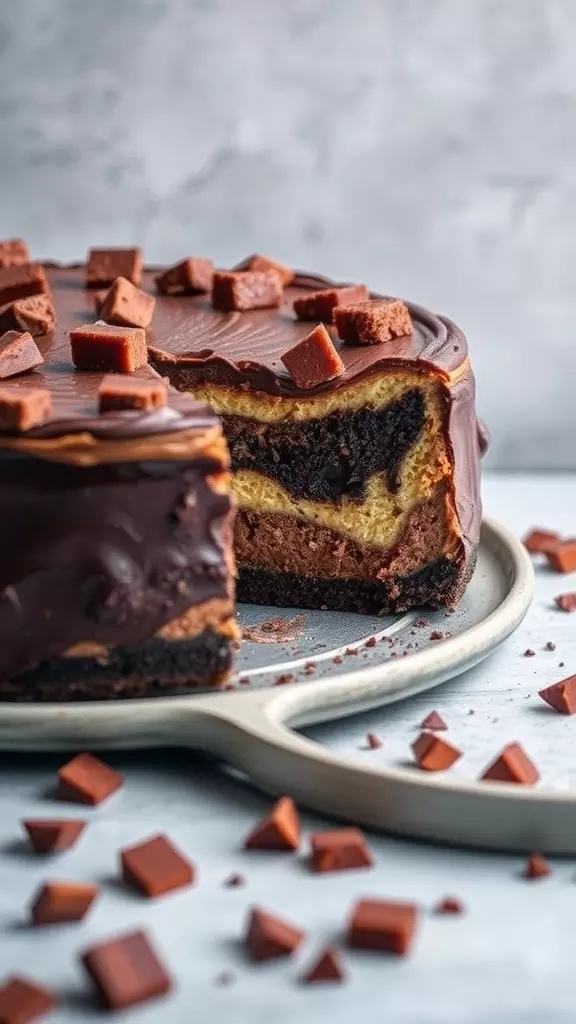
{"points": [[356, 490]]}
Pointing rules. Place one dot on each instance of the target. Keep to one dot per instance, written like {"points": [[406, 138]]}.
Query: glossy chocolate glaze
{"points": [[74, 392], [104, 554], [245, 348]]}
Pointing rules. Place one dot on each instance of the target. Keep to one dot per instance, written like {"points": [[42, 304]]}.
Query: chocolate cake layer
{"points": [[152, 668], [333, 456], [105, 554], [427, 586]]}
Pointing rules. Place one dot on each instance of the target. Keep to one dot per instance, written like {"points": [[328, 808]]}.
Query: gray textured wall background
{"points": [[427, 147]]}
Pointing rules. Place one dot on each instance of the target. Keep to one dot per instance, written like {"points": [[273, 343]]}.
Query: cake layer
{"points": [[437, 584], [152, 668], [108, 553]]}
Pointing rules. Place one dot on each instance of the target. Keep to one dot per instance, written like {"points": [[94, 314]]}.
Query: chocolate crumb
{"points": [[286, 677], [449, 905], [371, 642], [550, 645], [309, 670], [234, 881], [351, 650], [421, 623], [244, 681], [275, 631], [528, 653], [337, 660], [436, 635], [224, 979], [373, 741], [560, 664]]}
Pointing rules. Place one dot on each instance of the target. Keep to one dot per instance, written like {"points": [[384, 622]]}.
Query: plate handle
{"points": [[249, 731]]}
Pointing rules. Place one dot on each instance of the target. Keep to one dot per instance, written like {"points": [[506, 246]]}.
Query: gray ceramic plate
{"points": [[249, 725]]}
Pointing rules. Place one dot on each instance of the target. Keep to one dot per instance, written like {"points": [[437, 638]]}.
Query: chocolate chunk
{"points": [[372, 322], [126, 971], [529, 653], [63, 902], [512, 765], [320, 305], [121, 392], [562, 555], [115, 349], [537, 867], [268, 937], [339, 850], [433, 754], [538, 541], [252, 289], [326, 968], [87, 780], [127, 305], [156, 867], [256, 262], [34, 314], [23, 1001], [192, 276], [314, 360], [105, 265], [561, 696], [433, 721], [566, 602], [18, 353], [383, 926], [20, 281], [13, 251], [22, 410], [53, 836], [280, 829], [449, 905]]}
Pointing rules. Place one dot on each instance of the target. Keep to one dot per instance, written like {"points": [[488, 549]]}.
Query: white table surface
{"points": [[509, 960]]}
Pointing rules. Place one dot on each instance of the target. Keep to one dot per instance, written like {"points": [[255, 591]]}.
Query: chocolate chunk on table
{"points": [[383, 925], [340, 849], [35, 314], [372, 322], [102, 347], [17, 282], [320, 305], [314, 360], [280, 829], [561, 696], [63, 902], [191, 276], [22, 410], [51, 835], [118, 391], [244, 290], [18, 353], [105, 265], [23, 1001], [434, 754], [13, 251], [269, 937], [126, 971], [512, 765], [87, 780], [156, 867]]}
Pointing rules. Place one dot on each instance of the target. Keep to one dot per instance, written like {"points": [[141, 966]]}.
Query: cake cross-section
{"points": [[357, 484]]}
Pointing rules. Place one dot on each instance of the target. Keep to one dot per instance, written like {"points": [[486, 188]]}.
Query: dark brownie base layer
{"points": [[439, 584], [151, 669], [325, 459]]}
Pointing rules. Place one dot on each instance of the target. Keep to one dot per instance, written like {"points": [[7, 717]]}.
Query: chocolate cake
{"points": [[355, 447], [116, 565]]}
